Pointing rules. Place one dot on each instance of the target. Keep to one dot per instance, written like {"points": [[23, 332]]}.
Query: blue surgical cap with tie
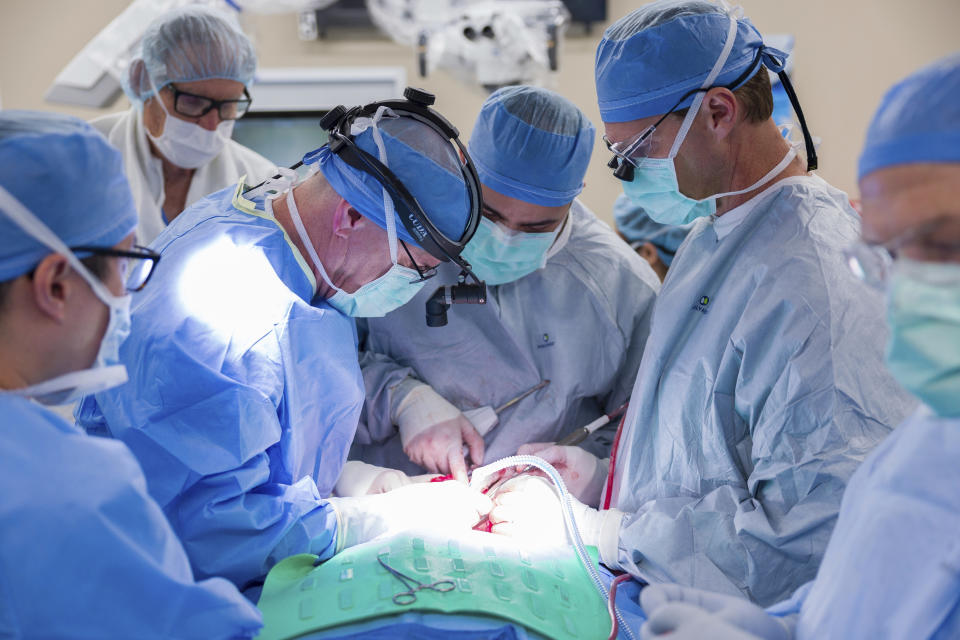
{"points": [[653, 57], [425, 162]]}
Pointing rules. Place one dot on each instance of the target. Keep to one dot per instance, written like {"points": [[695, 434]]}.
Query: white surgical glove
{"points": [[431, 507], [582, 472], [684, 613], [359, 479], [528, 508], [433, 433]]}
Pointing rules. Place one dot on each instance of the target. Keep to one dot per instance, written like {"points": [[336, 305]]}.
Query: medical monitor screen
{"points": [[281, 136]]}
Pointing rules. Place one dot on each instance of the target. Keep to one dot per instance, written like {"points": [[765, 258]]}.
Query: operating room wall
{"points": [[847, 53]]}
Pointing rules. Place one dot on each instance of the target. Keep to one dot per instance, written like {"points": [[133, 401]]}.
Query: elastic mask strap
{"points": [[305, 238], [106, 378], [284, 179], [770, 175], [33, 226], [711, 77], [156, 93], [388, 208]]}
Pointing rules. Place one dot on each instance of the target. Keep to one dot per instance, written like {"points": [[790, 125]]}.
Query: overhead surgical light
{"points": [[492, 43], [487, 42]]}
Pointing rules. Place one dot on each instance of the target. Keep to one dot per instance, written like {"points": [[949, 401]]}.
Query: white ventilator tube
{"points": [[572, 531]]}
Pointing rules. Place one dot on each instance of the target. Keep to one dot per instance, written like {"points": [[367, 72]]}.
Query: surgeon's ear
{"points": [[51, 286], [137, 77], [346, 219], [722, 111]]}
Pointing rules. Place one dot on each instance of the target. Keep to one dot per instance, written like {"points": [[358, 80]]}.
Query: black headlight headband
{"points": [[338, 122]]}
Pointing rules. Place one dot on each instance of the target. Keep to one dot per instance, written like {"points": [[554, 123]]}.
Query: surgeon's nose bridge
{"points": [[210, 120]]}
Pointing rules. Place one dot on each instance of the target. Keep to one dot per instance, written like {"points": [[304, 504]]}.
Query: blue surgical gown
{"points": [[581, 321], [892, 569], [85, 552], [243, 396], [761, 389]]}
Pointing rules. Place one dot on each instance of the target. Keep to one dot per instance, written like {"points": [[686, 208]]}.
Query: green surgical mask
{"points": [[498, 255], [923, 353]]}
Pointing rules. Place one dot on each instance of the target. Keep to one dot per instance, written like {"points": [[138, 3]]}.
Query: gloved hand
{"points": [[528, 508], [432, 506], [686, 613], [433, 433], [359, 479], [582, 472]]}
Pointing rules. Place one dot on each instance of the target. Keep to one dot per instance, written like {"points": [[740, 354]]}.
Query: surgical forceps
{"points": [[413, 585]]}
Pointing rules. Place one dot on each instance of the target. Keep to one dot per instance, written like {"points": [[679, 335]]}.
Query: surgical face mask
{"points": [[376, 298], [186, 144], [106, 371], [655, 186], [499, 255], [923, 352]]}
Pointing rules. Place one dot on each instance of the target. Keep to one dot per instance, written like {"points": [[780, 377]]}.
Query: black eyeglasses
{"points": [[629, 154], [425, 273], [136, 267], [194, 106]]}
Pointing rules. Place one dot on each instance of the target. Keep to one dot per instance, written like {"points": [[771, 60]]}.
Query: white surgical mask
{"points": [[186, 144], [106, 371]]}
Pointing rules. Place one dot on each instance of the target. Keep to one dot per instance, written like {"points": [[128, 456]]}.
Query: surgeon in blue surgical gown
{"points": [[762, 387], [245, 388], [892, 569], [85, 552]]}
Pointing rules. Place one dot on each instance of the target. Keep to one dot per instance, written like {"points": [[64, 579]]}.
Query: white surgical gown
{"points": [[125, 131], [243, 397], [85, 552], [581, 322], [761, 389], [892, 569]]}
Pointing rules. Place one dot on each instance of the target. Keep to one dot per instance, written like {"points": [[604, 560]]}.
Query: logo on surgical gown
{"points": [[545, 341], [701, 304]]}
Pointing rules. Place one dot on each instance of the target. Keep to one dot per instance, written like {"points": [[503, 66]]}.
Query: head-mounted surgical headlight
{"points": [[427, 235]]}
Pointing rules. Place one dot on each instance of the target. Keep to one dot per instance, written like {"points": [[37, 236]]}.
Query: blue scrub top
{"points": [[84, 550], [892, 569], [243, 396]]}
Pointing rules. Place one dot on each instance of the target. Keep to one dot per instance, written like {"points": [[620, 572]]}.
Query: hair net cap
{"points": [[651, 57], [918, 120], [533, 145], [189, 44], [637, 227], [68, 175], [425, 162]]}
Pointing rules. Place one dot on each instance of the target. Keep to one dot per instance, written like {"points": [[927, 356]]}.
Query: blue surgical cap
{"points": [[189, 44], [636, 227], [425, 162], [533, 145], [69, 176], [652, 57], [918, 120]]}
